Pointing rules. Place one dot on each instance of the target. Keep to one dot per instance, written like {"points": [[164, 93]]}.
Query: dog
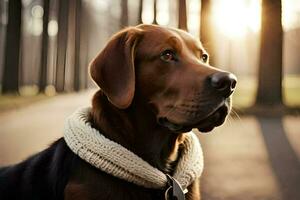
{"points": [[156, 85]]}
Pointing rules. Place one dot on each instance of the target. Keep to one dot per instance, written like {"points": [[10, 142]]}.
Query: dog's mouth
{"points": [[208, 123]]}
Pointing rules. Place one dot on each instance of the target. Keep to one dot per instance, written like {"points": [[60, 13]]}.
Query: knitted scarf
{"points": [[90, 145]]}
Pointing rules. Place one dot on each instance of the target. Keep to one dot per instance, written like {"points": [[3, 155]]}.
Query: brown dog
{"points": [[156, 84]]}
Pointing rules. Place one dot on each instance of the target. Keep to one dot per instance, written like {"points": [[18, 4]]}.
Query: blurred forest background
{"points": [[46, 45]]}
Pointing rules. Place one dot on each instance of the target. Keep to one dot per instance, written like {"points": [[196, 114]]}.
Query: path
{"points": [[32, 128], [246, 159]]}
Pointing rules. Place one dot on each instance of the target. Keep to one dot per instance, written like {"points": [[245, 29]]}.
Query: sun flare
{"points": [[233, 19], [236, 18]]}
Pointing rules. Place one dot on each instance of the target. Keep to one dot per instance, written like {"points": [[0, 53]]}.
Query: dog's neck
{"points": [[136, 129]]}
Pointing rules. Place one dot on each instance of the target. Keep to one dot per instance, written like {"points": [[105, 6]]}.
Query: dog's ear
{"points": [[113, 68]]}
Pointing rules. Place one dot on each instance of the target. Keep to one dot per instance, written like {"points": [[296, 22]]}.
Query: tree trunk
{"points": [[124, 14], [205, 28], [63, 13], [85, 42], [44, 55], [12, 47], [182, 21], [140, 11], [269, 90], [77, 77], [154, 12]]}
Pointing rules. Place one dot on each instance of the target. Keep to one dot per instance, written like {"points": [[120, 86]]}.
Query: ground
{"points": [[248, 158]]}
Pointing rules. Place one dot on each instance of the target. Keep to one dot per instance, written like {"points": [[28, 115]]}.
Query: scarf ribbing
{"points": [[90, 145]]}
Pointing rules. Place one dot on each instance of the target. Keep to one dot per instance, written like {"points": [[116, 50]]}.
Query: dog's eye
{"points": [[168, 55], [204, 57]]}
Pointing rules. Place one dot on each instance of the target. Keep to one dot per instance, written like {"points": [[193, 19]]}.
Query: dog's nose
{"points": [[223, 82]]}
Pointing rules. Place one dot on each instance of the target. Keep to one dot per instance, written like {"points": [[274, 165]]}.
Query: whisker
{"points": [[229, 119], [236, 114]]}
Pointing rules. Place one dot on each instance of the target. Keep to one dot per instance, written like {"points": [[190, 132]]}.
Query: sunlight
{"points": [[35, 23], [147, 15], [234, 19], [162, 12], [254, 15], [194, 17], [290, 14], [52, 28]]}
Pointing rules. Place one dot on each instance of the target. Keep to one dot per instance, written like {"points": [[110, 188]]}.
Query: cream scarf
{"points": [[118, 161]]}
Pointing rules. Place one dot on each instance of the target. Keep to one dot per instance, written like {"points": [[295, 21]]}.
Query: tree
{"points": [[12, 47], [124, 14], [44, 53], [182, 21], [85, 17], [140, 11], [77, 77], [269, 90], [63, 14], [205, 27], [154, 12]]}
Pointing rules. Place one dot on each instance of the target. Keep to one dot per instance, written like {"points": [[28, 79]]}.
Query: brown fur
{"points": [[138, 88]]}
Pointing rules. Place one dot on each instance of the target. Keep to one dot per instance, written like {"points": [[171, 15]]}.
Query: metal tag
{"points": [[174, 192]]}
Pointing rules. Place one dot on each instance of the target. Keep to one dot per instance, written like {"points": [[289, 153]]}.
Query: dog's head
{"points": [[169, 69]]}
